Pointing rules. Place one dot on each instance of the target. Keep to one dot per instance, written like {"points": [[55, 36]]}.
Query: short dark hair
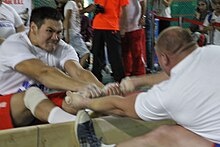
{"points": [[38, 15]]}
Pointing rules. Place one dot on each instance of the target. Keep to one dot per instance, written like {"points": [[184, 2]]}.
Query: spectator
{"points": [[133, 38], [72, 22], [162, 8], [185, 98], [106, 31], [203, 8], [10, 21], [210, 20]]}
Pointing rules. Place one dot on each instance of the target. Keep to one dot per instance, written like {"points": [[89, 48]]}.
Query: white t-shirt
{"points": [[9, 20], [213, 18], [18, 48], [191, 96], [75, 16], [133, 10], [161, 9]]}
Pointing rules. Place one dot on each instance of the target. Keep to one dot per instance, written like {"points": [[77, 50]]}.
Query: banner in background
{"points": [[23, 7]]}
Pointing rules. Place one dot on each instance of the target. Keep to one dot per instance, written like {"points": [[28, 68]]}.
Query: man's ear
{"points": [[165, 59], [33, 28]]}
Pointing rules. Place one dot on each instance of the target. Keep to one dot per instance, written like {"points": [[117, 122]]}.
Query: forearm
{"points": [[75, 70], [143, 7], [90, 78], [88, 9], [105, 105], [114, 105], [55, 79], [150, 79], [66, 30]]}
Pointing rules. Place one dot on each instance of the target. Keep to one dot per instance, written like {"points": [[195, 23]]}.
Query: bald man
{"points": [[190, 96]]}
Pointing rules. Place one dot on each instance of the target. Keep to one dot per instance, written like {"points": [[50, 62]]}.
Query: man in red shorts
{"points": [[21, 109]]}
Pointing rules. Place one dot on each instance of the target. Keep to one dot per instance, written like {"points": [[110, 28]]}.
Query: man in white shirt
{"points": [[10, 21], [40, 58], [190, 96]]}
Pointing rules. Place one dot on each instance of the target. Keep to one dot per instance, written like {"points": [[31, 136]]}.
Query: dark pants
{"points": [[163, 24], [113, 42]]}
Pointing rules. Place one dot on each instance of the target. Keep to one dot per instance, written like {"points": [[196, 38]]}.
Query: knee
{"points": [[158, 134], [162, 130]]}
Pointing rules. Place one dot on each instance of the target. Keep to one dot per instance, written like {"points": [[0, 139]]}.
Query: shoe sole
{"points": [[79, 116]]}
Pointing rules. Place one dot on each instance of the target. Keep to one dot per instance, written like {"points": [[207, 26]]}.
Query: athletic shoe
{"points": [[85, 133]]}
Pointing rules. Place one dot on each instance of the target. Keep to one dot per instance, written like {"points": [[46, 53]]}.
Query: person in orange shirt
{"points": [[106, 32]]}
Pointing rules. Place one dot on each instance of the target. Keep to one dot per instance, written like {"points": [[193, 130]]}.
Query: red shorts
{"points": [[5, 116]]}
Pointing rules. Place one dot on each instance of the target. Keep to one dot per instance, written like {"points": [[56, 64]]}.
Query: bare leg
{"points": [[44, 108], [168, 136], [21, 116]]}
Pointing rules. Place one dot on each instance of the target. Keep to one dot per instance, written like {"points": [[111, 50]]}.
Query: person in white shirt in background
{"points": [[72, 28], [211, 18], [133, 37], [10, 21], [162, 8]]}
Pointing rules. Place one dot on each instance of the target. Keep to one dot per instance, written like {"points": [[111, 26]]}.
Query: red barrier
{"points": [[185, 20]]}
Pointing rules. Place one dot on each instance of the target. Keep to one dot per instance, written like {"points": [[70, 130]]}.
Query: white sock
{"points": [[57, 115]]}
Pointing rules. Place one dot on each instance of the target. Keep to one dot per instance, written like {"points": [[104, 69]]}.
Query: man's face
{"points": [[48, 35]]}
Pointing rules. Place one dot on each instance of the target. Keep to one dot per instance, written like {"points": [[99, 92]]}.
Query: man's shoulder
{"points": [[17, 37]]}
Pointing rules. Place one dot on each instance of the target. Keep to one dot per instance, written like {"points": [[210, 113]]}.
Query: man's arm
{"points": [[76, 71], [113, 105], [143, 11], [66, 25], [129, 84], [167, 3], [49, 76], [88, 9], [123, 20]]}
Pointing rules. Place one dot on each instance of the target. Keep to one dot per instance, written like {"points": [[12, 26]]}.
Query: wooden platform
{"points": [[111, 129]]}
